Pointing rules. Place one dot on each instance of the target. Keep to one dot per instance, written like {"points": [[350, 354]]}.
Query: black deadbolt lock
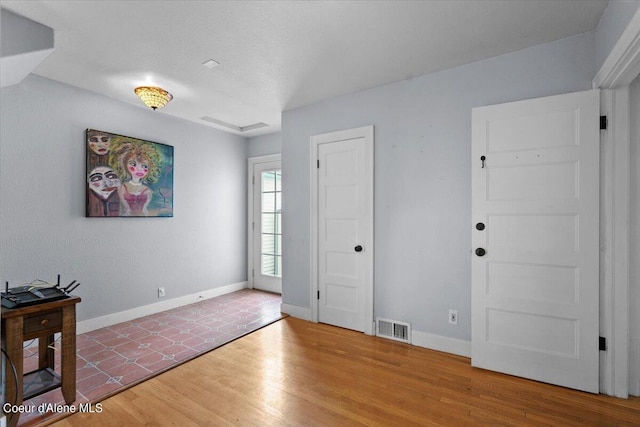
{"points": [[480, 252], [480, 226], [358, 248]]}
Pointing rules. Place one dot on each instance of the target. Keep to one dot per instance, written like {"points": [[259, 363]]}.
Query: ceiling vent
{"points": [[393, 329], [233, 127]]}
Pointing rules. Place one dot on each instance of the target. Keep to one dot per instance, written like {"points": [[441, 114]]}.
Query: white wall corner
{"points": [[441, 343], [146, 310], [296, 311]]}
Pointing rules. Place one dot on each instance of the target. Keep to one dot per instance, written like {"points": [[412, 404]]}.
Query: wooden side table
{"points": [[41, 321]]}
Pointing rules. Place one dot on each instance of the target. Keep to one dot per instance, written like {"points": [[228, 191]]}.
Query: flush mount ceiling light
{"points": [[153, 97], [210, 63]]}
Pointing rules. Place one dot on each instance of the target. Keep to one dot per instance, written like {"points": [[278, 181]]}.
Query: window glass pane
{"points": [[268, 265], [268, 223], [269, 202], [269, 244], [271, 239], [268, 181]]}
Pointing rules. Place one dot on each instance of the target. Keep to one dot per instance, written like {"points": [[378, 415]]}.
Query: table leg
{"points": [[13, 347], [46, 353], [68, 351]]}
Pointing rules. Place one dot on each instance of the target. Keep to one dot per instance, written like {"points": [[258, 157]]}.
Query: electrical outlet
{"points": [[453, 317], [161, 292]]}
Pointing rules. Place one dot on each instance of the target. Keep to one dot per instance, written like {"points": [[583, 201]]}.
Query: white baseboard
{"points": [[296, 311], [418, 338], [134, 313], [440, 343]]}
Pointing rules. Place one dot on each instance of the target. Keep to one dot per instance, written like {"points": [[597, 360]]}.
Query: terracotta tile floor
{"points": [[114, 357]]}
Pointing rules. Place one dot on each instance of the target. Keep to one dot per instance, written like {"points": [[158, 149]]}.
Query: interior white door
{"points": [[345, 228], [535, 212], [267, 226]]}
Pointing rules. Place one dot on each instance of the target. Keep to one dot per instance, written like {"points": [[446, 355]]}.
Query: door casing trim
{"points": [[614, 77]]}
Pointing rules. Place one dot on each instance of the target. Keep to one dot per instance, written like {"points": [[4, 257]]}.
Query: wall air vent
{"points": [[393, 329]]}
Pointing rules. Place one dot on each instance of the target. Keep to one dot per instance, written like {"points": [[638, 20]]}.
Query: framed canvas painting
{"points": [[128, 177]]}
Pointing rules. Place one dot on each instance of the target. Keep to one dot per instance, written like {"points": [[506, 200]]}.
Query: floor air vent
{"points": [[394, 330]]}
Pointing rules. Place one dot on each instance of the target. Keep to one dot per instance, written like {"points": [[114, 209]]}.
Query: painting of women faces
{"points": [[128, 177]]}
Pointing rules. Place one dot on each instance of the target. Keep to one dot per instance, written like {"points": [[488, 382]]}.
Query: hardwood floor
{"points": [[297, 373]]}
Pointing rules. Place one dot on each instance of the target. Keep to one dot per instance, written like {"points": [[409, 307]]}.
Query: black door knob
{"points": [[480, 226], [358, 248], [480, 252]]}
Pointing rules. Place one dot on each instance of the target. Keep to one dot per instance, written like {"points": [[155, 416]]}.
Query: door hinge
{"points": [[318, 163], [603, 122], [603, 344], [253, 225], [318, 294], [253, 273]]}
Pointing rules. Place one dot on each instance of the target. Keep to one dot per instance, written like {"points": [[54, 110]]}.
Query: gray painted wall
{"points": [[614, 21], [422, 176], [119, 261], [422, 185], [265, 144]]}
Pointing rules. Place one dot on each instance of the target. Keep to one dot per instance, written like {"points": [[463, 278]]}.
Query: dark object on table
{"points": [[24, 296]]}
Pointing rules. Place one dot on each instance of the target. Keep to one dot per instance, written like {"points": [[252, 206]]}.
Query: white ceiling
{"points": [[277, 55]]}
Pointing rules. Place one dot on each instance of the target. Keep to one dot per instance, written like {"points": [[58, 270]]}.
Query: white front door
{"points": [[266, 227], [535, 237], [344, 190]]}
